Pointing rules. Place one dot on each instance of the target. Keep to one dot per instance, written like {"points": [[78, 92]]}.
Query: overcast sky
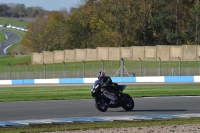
{"points": [[46, 4]]}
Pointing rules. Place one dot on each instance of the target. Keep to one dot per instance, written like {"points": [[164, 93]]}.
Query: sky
{"points": [[47, 4]]}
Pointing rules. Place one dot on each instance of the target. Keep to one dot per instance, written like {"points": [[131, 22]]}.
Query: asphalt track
{"points": [[27, 110], [11, 39]]}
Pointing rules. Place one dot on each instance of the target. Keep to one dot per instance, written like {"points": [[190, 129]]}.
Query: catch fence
{"points": [[90, 69]]}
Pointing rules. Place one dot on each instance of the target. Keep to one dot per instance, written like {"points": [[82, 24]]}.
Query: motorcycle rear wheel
{"points": [[128, 103], [100, 105]]}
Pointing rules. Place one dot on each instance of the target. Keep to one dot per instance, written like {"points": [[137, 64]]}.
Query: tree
{"points": [[34, 39], [46, 33], [3, 10]]}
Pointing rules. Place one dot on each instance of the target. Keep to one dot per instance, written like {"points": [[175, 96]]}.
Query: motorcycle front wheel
{"points": [[100, 105], [127, 103]]}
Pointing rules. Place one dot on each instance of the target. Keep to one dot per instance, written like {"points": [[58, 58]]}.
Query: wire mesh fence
{"points": [[90, 69], [93, 73]]}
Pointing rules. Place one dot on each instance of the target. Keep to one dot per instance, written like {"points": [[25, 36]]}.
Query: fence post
{"points": [[27, 70], [159, 66], [64, 69], [83, 69], [44, 70], [179, 66], [9, 70], [102, 64], [122, 67], [140, 67]]}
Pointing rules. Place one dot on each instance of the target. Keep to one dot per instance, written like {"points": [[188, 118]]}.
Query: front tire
{"points": [[127, 103], [100, 105]]}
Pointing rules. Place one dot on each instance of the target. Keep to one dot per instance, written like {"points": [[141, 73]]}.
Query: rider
{"points": [[107, 84]]}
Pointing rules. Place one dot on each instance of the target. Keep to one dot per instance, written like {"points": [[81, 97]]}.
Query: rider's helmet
{"points": [[101, 75]]}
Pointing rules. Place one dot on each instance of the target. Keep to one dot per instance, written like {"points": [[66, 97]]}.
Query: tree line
{"points": [[20, 10], [117, 23]]}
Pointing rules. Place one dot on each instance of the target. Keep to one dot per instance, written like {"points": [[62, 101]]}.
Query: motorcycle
{"points": [[102, 103]]}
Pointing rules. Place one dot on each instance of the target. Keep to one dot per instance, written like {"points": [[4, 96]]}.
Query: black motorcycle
{"points": [[102, 102]]}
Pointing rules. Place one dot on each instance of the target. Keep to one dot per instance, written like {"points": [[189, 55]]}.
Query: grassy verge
{"points": [[83, 92], [13, 21], [97, 125], [2, 37], [109, 66], [97, 65], [4, 60]]}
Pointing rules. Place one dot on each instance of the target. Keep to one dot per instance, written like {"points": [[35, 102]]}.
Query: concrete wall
{"points": [[91, 54], [69, 55], [59, 56], [198, 53], [80, 54], [37, 58], [176, 53], [126, 53], [102, 53], [137, 52], [114, 53], [150, 52], [189, 52], [48, 57], [164, 52]]}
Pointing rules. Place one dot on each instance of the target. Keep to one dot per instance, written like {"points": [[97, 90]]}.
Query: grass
{"points": [[4, 60], [2, 37], [92, 67], [83, 92], [97, 125], [20, 69], [14, 21]]}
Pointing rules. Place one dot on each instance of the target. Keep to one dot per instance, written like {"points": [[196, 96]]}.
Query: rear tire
{"points": [[100, 105], [128, 103]]}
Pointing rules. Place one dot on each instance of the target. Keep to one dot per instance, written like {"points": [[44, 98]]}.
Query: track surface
{"points": [[11, 39], [85, 108]]}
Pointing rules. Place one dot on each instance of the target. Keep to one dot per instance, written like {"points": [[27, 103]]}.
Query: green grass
{"points": [[83, 92], [14, 22], [4, 60], [2, 37], [92, 65]]}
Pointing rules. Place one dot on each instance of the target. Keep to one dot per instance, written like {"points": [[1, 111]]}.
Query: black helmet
{"points": [[101, 75]]}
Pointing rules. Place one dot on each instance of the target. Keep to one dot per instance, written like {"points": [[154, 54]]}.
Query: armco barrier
{"points": [[15, 27], [152, 79]]}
